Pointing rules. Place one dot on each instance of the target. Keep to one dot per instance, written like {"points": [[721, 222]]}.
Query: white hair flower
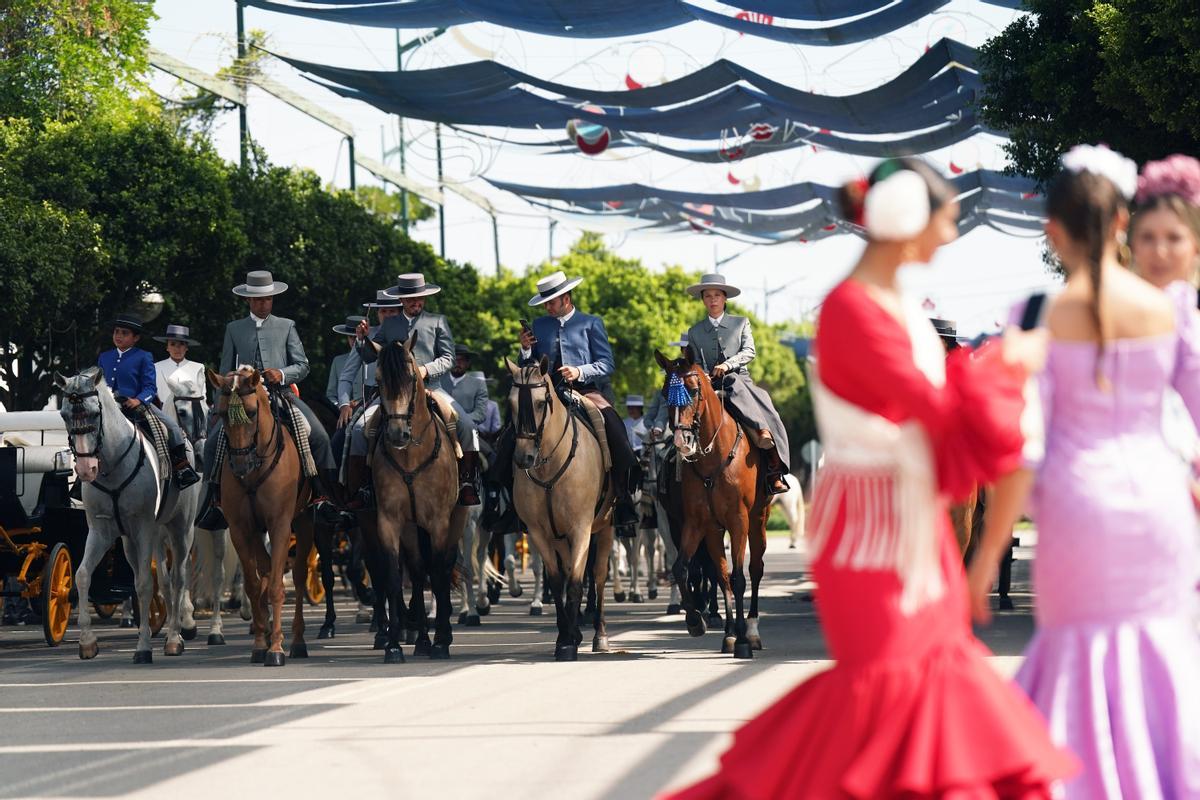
{"points": [[897, 207], [1100, 160]]}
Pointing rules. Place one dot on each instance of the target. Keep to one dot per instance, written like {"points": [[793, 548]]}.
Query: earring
{"points": [[1124, 254]]}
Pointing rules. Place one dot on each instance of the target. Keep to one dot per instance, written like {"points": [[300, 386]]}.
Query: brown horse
{"points": [[561, 492], [419, 519], [722, 491], [263, 487]]}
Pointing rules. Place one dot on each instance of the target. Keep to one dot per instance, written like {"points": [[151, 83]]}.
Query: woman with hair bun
{"points": [[1112, 660], [911, 708]]}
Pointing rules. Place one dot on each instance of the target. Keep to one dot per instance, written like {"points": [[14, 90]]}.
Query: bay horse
{"points": [[561, 491], [124, 495], [722, 491], [419, 519], [263, 487]]}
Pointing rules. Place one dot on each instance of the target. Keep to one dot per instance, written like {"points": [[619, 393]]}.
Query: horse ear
{"points": [[213, 378], [662, 360], [544, 365], [689, 356], [95, 374], [512, 368], [60, 381], [412, 342], [254, 379]]}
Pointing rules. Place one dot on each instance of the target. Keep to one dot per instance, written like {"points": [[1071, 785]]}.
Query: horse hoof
{"points": [[422, 648], [535, 611], [635, 598], [727, 645], [715, 620], [299, 650], [755, 642], [364, 616], [326, 632], [462, 618], [474, 622], [516, 591], [258, 656], [393, 655], [743, 650], [791, 545], [653, 594], [619, 597], [493, 593], [215, 638], [126, 623], [566, 652], [410, 636], [1006, 603], [244, 612], [143, 657], [188, 633], [274, 659], [697, 628], [600, 644], [674, 608], [89, 651], [173, 649], [483, 610], [380, 641], [440, 652]]}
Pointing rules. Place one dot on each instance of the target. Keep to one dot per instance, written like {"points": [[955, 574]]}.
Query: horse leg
{"points": [[143, 582], [510, 565], [690, 540], [280, 531], [735, 581], [216, 582], [535, 605], [758, 546], [604, 545], [389, 595], [441, 574], [570, 571], [98, 543], [323, 539], [305, 535], [587, 584], [179, 611], [247, 548], [715, 544]]}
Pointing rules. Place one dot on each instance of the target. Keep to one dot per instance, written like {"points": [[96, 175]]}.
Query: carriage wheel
{"points": [[56, 595], [314, 590], [104, 610]]}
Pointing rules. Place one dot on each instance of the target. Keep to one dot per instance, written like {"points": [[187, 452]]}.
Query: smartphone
{"points": [[525, 325]]}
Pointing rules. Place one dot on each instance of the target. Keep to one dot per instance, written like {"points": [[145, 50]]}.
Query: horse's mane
{"points": [[393, 370], [525, 418]]}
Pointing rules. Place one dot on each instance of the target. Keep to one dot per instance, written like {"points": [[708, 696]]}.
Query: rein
{"points": [[114, 495], [251, 451], [708, 480], [409, 476]]}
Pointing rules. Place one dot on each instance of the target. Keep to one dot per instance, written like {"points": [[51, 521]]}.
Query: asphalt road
{"points": [[500, 719]]}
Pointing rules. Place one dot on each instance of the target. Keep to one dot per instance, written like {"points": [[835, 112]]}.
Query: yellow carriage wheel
{"points": [[313, 588], [56, 595]]}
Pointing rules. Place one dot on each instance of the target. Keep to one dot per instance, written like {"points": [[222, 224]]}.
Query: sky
{"points": [[972, 281]]}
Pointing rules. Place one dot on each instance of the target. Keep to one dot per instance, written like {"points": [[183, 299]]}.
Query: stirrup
{"points": [[773, 489], [468, 495]]}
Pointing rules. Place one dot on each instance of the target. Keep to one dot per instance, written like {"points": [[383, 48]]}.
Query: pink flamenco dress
{"points": [[911, 708], [1113, 662]]}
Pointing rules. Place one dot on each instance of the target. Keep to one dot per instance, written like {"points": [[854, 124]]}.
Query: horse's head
{"points": [[188, 399], [242, 397], [401, 391], [81, 411], [531, 403], [686, 390]]}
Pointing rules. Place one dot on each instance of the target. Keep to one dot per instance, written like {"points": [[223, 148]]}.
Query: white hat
{"points": [[412, 284], [552, 286], [634, 400], [259, 283], [683, 341], [713, 280]]}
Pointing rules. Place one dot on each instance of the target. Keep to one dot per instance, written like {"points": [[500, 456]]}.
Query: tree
{"points": [[385, 204], [1123, 72], [63, 59]]}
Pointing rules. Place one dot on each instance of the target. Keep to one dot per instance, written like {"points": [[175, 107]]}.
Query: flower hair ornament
{"points": [[1100, 160], [896, 207], [1177, 175]]}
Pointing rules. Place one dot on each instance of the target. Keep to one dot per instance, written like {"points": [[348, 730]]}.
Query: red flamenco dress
{"points": [[911, 709]]}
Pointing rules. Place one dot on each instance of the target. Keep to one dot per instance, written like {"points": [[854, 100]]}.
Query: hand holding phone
{"points": [[528, 340]]}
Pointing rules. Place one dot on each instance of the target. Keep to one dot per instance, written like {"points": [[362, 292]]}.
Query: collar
{"points": [[121, 352], [411, 320], [563, 320], [258, 321], [716, 321], [458, 380]]}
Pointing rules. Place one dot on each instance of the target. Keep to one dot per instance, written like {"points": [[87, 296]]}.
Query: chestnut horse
{"points": [[263, 487], [722, 491], [419, 519]]}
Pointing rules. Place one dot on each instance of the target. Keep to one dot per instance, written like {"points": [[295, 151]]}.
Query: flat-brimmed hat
{"points": [[350, 326], [412, 284], [683, 341], [463, 350], [946, 329], [178, 333], [383, 300], [713, 280], [130, 321], [259, 283], [552, 286], [634, 400]]}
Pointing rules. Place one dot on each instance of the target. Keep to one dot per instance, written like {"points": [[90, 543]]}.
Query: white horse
{"points": [[792, 504], [124, 495], [472, 552]]}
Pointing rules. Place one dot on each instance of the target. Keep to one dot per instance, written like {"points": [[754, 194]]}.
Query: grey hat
{"points": [[634, 400], [713, 280], [178, 333], [463, 350], [552, 286], [683, 341], [412, 284], [383, 300], [350, 326], [259, 283]]}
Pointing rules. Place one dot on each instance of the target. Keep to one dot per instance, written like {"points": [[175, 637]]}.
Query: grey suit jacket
{"points": [[434, 349], [354, 375], [732, 339], [335, 373], [470, 393], [276, 342]]}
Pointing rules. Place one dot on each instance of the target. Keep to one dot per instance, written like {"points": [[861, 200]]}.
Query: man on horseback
{"points": [[129, 372], [577, 346], [434, 353], [272, 345], [724, 347]]}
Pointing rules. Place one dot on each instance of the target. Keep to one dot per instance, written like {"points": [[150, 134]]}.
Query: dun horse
{"points": [[722, 491], [262, 487], [561, 492], [124, 495], [419, 520]]}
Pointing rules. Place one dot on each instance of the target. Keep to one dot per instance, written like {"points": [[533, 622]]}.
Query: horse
{"points": [[471, 569], [791, 503], [263, 486], [701, 573], [722, 491], [419, 520], [125, 495], [561, 491]]}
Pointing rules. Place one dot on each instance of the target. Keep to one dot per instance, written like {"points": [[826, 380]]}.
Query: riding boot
{"points": [[625, 516], [185, 476], [210, 517], [468, 479], [776, 483], [359, 474], [323, 503]]}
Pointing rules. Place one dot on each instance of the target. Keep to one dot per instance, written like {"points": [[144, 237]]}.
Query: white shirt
{"points": [[562, 323], [456, 381], [168, 367], [716, 321], [258, 321]]}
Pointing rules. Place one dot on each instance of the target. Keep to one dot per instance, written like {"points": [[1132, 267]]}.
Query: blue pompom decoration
{"points": [[677, 393]]}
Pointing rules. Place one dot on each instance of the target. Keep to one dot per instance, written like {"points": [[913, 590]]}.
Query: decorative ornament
{"points": [[591, 138], [677, 393], [1174, 175], [1101, 160], [897, 207]]}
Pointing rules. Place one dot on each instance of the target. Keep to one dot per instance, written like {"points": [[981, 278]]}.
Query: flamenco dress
{"points": [[911, 708]]}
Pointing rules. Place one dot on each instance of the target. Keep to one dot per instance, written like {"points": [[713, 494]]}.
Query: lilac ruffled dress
{"points": [[1115, 663]]}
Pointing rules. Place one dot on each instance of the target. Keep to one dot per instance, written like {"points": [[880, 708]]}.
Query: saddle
{"points": [[589, 414], [439, 406], [153, 429], [722, 386], [284, 409]]}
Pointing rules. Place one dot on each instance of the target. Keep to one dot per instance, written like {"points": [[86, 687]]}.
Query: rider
{"points": [[657, 412], [580, 355], [354, 395], [724, 346], [434, 354], [634, 408], [272, 345], [129, 372], [357, 378], [177, 340]]}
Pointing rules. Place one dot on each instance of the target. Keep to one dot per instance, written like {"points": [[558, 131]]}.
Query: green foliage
{"points": [[62, 59], [197, 112], [388, 205], [1123, 72]]}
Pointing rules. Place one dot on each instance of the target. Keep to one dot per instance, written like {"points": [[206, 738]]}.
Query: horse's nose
{"points": [[525, 460], [87, 468]]}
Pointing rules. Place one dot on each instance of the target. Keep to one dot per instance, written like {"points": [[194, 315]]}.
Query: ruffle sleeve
{"points": [[1186, 377]]}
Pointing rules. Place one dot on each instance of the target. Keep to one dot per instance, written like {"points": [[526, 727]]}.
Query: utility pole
{"points": [[496, 242], [243, 134], [353, 182], [400, 128], [553, 225], [437, 132]]}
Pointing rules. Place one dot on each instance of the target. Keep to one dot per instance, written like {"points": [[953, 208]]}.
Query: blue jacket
{"points": [[130, 374], [585, 345]]}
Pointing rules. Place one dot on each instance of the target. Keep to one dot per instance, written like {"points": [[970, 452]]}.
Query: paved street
{"points": [[501, 719]]}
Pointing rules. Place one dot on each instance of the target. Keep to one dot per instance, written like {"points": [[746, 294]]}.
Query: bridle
{"points": [[406, 417], [76, 399], [197, 410], [409, 476], [695, 403], [251, 454]]}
